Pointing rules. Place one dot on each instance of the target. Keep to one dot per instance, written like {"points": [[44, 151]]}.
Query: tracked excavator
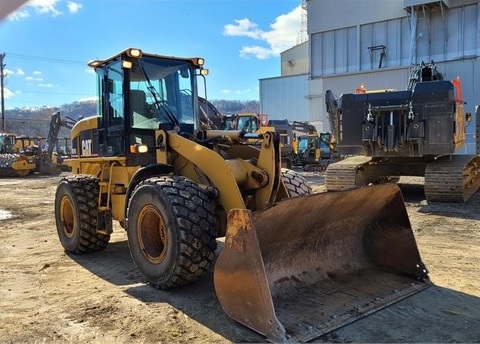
{"points": [[254, 123], [311, 150], [415, 132], [290, 264], [53, 163]]}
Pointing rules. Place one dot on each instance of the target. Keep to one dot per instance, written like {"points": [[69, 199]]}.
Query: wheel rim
{"points": [[67, 217], [152, 234]]}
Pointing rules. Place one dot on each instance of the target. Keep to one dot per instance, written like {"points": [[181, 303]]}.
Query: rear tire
{"points": [[296, 184], [76, 202], [171, 231]]}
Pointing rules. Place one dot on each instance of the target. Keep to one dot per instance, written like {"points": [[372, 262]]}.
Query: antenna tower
{"points": [[303, 36]]}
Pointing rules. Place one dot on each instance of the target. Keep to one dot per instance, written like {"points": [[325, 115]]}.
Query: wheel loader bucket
{"points": [[310, 264]]}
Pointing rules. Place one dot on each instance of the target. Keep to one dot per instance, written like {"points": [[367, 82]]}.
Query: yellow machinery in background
{"points": [[24, 155], [17, 155]]}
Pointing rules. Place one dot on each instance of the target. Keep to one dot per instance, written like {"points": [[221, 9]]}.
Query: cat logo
{"points": [[87, 147]]}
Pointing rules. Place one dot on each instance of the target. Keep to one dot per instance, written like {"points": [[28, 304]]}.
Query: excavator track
{"points": [[343, 174], [6, 166], [452, 178]]}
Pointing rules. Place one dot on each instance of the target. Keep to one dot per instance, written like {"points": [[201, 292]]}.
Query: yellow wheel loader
{"points": [[294, 264]]}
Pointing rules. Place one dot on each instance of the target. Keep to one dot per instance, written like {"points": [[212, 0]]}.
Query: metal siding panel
{"points": [[393, 43], [341, 50], [325, 15], [379, 33], [328, 53], [453, 38], [284, 98], [366, 33], [316, 55], [470, 28], [437, 50], [352, 50], [423, 47], [405, 43]]}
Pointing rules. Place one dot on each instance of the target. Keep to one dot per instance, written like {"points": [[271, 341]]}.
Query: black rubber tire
{"points": [[76, 202], [296, 184], [171, 231]]}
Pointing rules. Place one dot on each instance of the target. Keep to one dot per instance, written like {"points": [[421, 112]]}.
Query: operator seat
{"points": [[138, 102]]}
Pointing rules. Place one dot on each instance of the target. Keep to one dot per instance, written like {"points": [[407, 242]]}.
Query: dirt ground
{"points": [[49, 296]]}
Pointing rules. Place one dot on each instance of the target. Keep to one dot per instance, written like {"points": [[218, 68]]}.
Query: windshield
{"points": [[161, 91], [302, 144], [247, 124]]}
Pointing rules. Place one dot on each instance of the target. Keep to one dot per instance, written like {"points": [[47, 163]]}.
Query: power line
{"points": [[46, 59]]}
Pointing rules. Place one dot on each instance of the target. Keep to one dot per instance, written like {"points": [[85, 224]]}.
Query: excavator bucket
{"points": [[49, 169], [310, 264]]}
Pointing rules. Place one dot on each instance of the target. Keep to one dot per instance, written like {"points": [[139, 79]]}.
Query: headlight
{"points": [[138, 148]]}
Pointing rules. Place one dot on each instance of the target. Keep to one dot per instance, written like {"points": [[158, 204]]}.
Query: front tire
{"points": [[171, 231], [76, 202], [296, 184]]}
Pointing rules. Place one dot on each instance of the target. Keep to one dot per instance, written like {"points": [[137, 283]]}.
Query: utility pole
{"points": [[3, 129]]}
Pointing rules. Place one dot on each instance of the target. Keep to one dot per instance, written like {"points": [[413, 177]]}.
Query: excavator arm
{"points": [[47, 165], [56, 123]]}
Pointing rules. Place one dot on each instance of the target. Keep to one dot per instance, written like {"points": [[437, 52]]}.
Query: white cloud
{"points": [[11, 72], [73, 7], [45, 6], [37, 72], [45, 85], [282, 35], [48, 7], [227, 91], [88, 99], [258, 51], [244, 27], [19, 14], [7, 93], [31, 78]]}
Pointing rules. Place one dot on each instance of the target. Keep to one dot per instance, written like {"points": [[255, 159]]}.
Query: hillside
{"points": [[35, 121]]}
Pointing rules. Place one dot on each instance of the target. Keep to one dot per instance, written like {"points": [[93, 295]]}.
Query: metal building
{"points": [[375, 43]]}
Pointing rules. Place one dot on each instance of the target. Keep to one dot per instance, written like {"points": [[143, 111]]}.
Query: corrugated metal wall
{"points": [[439, 35], [285, 98]]}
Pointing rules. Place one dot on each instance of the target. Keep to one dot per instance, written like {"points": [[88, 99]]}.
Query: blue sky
{"points": [[47, 43]]}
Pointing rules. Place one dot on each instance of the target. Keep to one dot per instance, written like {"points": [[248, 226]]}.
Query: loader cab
{"points": [[139, 93]]}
